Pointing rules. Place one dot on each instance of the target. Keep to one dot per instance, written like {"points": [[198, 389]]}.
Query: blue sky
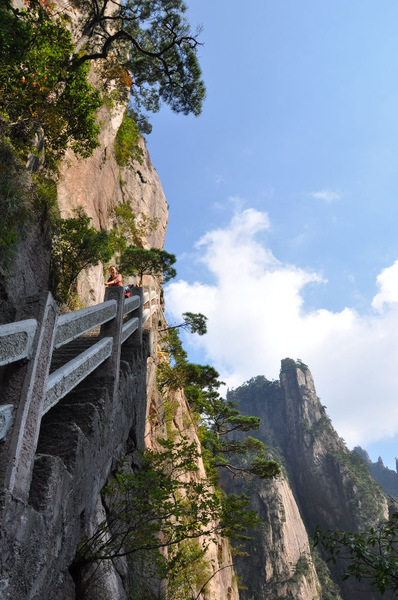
{"points": [[286, 188]]}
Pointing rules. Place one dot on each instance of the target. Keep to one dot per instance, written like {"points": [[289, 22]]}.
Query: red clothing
{"points": [[116, 281]]}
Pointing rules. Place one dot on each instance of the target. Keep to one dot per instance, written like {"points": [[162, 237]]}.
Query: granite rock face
{"points": [[174, 423], [331, 486], [81, 440], [280, 563], [98, 184]]}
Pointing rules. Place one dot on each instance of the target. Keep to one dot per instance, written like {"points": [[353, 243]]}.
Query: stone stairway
{"points": [[66, 353]]}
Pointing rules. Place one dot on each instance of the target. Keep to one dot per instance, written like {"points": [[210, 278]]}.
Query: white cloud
{"points": [[256, 317], [326, 196], [387, 282]]}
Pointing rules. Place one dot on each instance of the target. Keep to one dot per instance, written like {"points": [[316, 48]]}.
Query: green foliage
{"points": [[130, 229], [45, 197], [76, 245], [138, 261], [217, 417], [193, 323], [143, 45], [288, 364], [301, 569], [367, 503], [126, 141], [14, 206], [187, 570], [164, 504], [38, 89], [152, 39], [370, 555], [24, 204], [329, 589]]}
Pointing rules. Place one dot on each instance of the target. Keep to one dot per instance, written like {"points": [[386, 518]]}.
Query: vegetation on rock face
{"points": [[132, 229], [371, 555], [43, 78], [24, 201], [288, 364], [367, 503], [329, 589], [39, 92], [142, 44], [75, 246], [164, 504], [14, 207], [126, 141], [152, 40]]}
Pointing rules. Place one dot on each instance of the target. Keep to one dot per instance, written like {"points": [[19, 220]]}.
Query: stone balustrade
{"points": [[29, 389]]}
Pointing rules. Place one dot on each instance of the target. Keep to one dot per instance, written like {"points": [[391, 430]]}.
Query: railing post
{"points": [[113, 329], [135, 338], [25, 389]]}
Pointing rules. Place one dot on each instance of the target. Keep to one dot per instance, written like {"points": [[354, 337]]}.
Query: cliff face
{"points": [[176, 422], [58, 517], [279, 562], [331, 486], [98, 184]]}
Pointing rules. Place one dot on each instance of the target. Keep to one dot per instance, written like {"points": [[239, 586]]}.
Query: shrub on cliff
{"points": [[126, 141], [164, 504], [75, 246]]}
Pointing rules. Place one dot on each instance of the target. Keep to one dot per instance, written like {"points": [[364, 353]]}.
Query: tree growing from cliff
{"points": [[131, 229], [139, 261], [371, 555], [75, 246], [153, 41], [35, 51], [218, 418], [164, 503], [192, 322], [146, 46]]}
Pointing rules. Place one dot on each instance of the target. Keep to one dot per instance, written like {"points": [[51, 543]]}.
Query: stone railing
{"points": [[28, 388]]}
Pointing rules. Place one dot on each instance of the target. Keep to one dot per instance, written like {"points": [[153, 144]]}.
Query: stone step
{"points": [[66, 353]]}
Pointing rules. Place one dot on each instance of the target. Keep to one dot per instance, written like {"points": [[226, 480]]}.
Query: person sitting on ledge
{"points": [[115, 278]]}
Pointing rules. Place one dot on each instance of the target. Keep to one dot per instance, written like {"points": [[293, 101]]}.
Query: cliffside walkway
{"points": [[71, 389]]}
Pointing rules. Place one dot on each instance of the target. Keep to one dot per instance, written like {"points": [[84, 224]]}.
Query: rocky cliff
{"points": [[330, 486], [96, 430]]}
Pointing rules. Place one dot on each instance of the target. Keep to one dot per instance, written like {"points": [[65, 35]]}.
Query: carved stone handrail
{"points": [[131, 304], [64, 379], [75, 324], [149, 298], [17, 344], [48, 466], [16, 340]]}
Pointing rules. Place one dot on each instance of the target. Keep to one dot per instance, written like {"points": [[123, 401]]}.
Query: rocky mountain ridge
{"points": [[330, 486]]}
